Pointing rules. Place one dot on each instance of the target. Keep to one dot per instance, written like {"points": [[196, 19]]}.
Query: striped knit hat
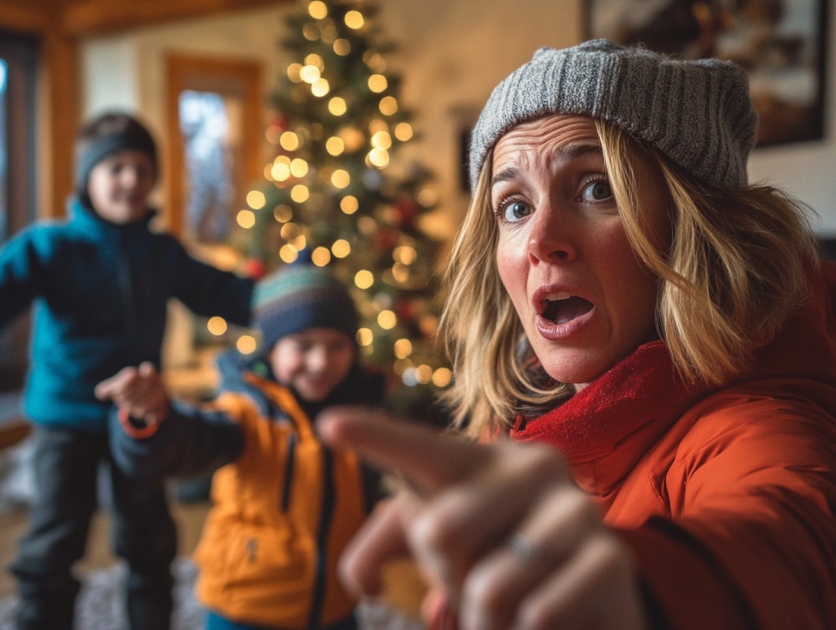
{"points": [[697, 113], [298, 297]]}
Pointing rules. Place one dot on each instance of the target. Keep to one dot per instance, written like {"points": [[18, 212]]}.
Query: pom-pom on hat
{"points": [[302, 296], [697, 113]]}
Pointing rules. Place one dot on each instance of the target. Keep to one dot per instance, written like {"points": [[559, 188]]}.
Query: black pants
{"points": [[65, 465]]}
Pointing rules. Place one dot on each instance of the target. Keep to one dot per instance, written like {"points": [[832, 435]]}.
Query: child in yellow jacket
{"points": [[285, 504]]}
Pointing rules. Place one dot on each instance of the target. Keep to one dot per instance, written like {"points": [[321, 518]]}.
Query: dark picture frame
{"points": [[781, 43]]}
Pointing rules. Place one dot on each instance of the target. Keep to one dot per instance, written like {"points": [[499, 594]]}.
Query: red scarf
{"points": [[619, 402]]}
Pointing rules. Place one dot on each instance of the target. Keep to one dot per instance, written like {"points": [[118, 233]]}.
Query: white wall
{"points": [[451, 55]]}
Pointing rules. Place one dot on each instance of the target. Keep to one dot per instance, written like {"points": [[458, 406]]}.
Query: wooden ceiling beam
{"points": [[27, 19], [99, 17]]}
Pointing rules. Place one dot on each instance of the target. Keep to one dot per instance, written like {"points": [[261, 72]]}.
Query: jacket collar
{"points": [[84, 218]]}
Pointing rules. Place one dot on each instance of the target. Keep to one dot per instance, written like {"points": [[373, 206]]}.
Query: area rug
{"points": [[101, 604]]}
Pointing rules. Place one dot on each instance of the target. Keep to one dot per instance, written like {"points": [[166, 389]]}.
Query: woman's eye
{"points": [[516, 210], [596, 191]]}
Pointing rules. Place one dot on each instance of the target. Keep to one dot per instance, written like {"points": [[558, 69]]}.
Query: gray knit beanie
{"points": [[697, 113]]}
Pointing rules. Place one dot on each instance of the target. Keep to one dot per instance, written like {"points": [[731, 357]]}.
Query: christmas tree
{"points": [[334, 191]]}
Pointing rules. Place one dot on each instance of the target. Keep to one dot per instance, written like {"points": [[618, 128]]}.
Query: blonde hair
{"points": [[734, 267]]}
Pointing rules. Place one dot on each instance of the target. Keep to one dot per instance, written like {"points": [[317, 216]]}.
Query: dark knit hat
{"points": [[697, 113], [302, 296], [105, 135]]}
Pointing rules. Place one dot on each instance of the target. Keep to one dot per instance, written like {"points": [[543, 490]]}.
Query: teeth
{"points": [[556, 297]]}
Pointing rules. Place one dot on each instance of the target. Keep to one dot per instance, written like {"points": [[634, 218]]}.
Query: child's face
{"points": [[313, 361], [120, 184]]}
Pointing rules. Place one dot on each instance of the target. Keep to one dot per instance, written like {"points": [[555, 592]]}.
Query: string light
{"points": [[341, 248], [387, 319], [382, 140], [293, 72], [256, 199], [316, 61], [246, 344], [403, 348], [342, 47], [299, 243], [340, 178], [337, 106], [290, 231], [354, 20], [320, 256], [378, 83], [374, 60], [318, 9], [310, 74], [377, 125], [299, 193], [282, 213], [365, 337], [352, 137], [388, 105], [320, 87], [379, 157], [363, 279], [442, 377], [405, 254], [400, 272], [423, 374], [246, 219], [335, 146], [311, 32], [288, 254], [289, 141], [268, 173], [349, 204], [298, 167], [280, 171], [216, 325], [403, 131]]}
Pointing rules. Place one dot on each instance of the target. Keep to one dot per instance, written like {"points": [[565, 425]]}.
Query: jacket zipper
{"points": [[288, 472], [325, 522]]}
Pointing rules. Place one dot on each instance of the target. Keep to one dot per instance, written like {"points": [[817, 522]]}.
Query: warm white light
{"points": [[387, 319], [318, 9], [256, 200], [216, 325], [364, 337], [320, 87], [341, 248], [364, 279], [280, 171], [405, 254], [382, 140], [423, 374], [354, 19], [246, 344], [337, 106], [310, 74], [290, 231], [335, 146], [288, 254], [246, 219], [315, 60], [378, 83], [349, 204], [299, 167], [289, 141], [403, 131], [340, 178], [293, 71], [299, 193], [403, 348], [388, 105], [283, 213], [442, 377], [320, 256], [342, 47], [379, 157]]}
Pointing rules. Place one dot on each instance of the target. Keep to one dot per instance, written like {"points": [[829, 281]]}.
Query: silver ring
{"points": [[526, 550]]}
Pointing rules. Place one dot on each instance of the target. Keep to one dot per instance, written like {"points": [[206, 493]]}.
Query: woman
{"points": [[622, 296]]}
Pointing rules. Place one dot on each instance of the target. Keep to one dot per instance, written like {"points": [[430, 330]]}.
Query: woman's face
{"points": [[584, 299]]}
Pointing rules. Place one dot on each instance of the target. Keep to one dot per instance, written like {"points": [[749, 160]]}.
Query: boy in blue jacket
{"points": [[100, 283], [285, 505]]}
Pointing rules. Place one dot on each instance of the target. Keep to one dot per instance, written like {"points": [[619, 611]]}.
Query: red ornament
{"points": [[405, 310], [407, 211], [255, 268]]}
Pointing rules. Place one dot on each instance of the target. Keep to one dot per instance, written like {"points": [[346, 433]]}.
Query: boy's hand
{"points": [[138, 392]]}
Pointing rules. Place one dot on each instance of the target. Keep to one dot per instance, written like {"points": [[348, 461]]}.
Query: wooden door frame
{"points": [[179, 68]]}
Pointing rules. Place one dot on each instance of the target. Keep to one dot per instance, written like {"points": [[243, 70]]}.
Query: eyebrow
{"points": [[563, 154]]}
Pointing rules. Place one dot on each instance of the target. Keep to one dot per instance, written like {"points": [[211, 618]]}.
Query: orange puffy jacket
{"points": [[729, 499], [284, 511]]}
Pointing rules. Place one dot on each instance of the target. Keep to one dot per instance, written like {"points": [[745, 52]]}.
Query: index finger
{"points": [[429, 459], [105, 389]]}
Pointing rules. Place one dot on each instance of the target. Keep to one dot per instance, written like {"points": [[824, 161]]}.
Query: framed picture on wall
{"points": [[781, 43]]}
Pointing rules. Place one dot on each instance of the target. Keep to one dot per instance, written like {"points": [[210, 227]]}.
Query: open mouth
{"points": [[562, 307]]}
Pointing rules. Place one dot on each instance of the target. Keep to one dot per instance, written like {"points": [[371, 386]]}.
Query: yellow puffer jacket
{"points": [[284, 511]]}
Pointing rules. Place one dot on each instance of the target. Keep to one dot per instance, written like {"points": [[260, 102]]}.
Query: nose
{"points": [[551, 237], [317, 359]]}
